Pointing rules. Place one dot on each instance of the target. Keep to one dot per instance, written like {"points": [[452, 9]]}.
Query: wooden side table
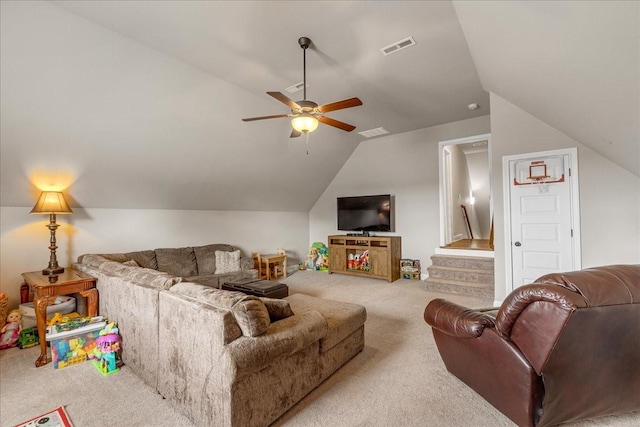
{"points": [[45, 291]]}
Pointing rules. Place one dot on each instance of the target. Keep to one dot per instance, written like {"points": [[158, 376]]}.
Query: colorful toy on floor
{"points": [[10, 332], [106, 351], [318, 258], [28, 338], [410, 268], [75, 346]]}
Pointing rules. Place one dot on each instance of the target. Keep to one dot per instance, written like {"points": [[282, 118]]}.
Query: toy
{"points": [[364, 261], [11, 331], [28, 338], [410, 269], [350, 262], [62, 318], [318, 258], [105, 353]]}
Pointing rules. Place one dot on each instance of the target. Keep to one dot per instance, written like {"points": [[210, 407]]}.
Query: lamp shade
{"points": [[51, 202], [304, 123]]}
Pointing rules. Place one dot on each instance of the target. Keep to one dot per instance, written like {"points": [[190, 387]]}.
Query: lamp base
{"points": [[52, 271]]}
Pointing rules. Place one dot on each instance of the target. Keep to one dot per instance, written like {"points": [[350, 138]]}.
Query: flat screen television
{"points": [[365, 213]]}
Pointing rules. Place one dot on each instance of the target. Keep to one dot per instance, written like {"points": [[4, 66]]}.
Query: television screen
{"points": [[365, 213]]}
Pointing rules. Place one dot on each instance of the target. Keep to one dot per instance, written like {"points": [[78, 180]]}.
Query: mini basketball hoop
{"points": [[542, 183]]}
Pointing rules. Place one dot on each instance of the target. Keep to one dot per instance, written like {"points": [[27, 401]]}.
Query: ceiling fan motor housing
{"points": [[306, 107]]}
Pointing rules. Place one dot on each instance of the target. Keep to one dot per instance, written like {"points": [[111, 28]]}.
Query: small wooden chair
{"points": [[259, 265], [278, 268]]}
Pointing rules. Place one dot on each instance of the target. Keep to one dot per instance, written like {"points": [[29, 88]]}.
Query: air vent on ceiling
{"points": [[296, 87], [373, 132], [398, 46]]}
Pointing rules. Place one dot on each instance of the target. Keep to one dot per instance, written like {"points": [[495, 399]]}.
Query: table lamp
{"points": [[52, 203]]}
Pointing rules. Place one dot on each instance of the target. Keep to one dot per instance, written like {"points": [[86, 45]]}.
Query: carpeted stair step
{"points": [[461, 288], [466, 262], [465, 275]]}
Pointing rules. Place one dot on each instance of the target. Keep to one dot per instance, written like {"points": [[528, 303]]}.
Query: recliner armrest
{"points": [[456, 320]]}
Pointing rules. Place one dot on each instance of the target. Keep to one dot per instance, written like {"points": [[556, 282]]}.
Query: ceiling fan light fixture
{"points": [[304, 123]]}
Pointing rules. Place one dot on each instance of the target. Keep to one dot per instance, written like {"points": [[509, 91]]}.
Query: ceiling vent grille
{"points": [[296, 87], [398, 46], [373, 132]]}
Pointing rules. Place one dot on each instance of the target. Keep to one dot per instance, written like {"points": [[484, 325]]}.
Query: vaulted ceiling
{"points": [[138, 104]]}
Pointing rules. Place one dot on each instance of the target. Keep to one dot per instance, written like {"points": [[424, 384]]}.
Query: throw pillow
{"points": [[252, 317], [227, 262], [131, 263], [278, 308]]}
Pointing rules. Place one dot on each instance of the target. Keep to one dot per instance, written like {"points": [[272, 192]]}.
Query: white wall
{"points": [[405, 166], [609, 195], [460, 193], [478, 164], [24, 239]]}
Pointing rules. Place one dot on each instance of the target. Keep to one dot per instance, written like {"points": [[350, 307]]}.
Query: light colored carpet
{"points": [[397, 380]]}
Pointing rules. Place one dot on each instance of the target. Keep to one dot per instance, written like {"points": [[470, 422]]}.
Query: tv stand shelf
{"points": [[384, 256]]}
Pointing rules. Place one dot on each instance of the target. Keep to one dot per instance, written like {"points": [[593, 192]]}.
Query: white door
{"points": [[543, 225]]}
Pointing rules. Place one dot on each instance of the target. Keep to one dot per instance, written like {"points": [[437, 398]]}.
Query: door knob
{"points": [[518, 244]]}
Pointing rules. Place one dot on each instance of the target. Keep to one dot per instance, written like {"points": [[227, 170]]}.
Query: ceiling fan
{"points": [[306, 114]]}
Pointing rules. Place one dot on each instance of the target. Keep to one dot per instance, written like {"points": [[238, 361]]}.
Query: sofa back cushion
{"points": [[206, 257], [249, 311], [142, 276], [177, 261], [534, 316], [600, 286], [145, 259]]}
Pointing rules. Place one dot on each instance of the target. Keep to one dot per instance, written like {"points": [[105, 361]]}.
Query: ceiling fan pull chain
{"points": [[307, 134]]}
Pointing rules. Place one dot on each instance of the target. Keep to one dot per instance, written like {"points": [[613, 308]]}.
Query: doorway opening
{"points": [[466, 208]]}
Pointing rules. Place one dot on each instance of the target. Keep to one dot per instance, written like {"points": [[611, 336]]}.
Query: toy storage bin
{"points": [[63, 305], [74, 346]]}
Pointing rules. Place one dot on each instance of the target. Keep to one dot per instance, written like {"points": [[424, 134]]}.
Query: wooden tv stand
{"points": [[384, 256]]}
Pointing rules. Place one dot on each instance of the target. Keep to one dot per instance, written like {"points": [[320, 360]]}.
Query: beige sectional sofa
{"points": [[221, 357]]}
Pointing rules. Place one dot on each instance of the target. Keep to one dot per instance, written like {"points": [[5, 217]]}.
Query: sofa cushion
{"points": [[227, 262], [210, 280], [206, 257], [146, 259], [177, 261], [93, 260], [249, 311], [342, 318]]}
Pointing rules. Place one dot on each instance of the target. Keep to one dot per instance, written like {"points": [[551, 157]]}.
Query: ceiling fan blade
{"points": [[276, 116], [339, 105], [336, 123], [283, 98], [294, 133]]}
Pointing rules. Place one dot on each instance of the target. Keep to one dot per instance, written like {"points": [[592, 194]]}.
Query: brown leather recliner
{"points": [[562, 349]]}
